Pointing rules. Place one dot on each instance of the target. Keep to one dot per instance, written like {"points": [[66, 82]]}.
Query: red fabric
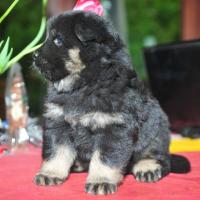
{"points": [[17, 172], [89, 5]]}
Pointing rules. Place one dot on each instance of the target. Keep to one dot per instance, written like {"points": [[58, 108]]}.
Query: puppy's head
{"points": [[74, 40]]}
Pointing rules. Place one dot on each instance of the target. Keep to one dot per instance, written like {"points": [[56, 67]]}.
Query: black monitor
{"points": [[174, 76]]}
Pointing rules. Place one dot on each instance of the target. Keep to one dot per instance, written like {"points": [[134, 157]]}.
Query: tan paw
{"points": [[100, 188], [41, 179], [147, 170]]}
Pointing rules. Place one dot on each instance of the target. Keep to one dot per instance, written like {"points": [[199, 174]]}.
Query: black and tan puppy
{"points": [[98, 114]]}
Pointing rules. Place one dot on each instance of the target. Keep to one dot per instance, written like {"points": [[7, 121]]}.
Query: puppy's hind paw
{"points": [[149, 176], [147, 170], [41, 179], [100, 188]]}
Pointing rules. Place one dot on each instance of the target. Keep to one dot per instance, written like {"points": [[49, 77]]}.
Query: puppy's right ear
{"points": [[85, 34]]}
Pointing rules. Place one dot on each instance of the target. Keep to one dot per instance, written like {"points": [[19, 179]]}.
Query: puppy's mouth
{"points": [[49, 71], [40, 64]]}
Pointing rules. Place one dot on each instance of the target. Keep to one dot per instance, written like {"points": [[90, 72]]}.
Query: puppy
{"points": [[99, 117]]}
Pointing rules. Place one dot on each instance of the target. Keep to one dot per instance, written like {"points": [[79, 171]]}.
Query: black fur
{"points": [[107, 84]]}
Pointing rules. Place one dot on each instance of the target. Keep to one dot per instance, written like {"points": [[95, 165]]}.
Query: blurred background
{"points": [[143, 24]]}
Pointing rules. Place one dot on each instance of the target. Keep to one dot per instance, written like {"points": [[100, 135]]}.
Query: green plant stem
{"points": [[44, 5], [23, 53], [8, 10], [29, 48]]}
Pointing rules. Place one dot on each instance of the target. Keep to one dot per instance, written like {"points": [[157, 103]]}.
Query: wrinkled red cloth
{"points": [[89, 5], [17, 173]]}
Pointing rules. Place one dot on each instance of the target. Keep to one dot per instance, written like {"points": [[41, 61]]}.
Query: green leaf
{"points": [[5, 54], [1, 43], [5, 48]]}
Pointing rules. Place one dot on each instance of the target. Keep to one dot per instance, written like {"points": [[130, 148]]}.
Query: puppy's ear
{"points": [[85, 34]]}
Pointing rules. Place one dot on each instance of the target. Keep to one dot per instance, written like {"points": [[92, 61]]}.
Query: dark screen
{"points": [[174, 75]]}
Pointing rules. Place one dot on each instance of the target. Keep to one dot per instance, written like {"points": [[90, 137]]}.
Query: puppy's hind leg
{"points": [[58, 157], [152, 163]]}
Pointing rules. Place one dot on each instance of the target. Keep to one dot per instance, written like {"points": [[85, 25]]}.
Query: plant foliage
{"points": [[5, 53], [155, 18]]}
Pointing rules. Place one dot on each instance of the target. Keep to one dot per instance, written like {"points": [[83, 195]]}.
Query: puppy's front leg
{"points": [[102, 179], [109, 161], [58, 157]]}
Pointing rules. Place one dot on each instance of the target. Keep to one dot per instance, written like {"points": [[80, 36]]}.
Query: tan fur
{"points": [[60, 164], [100, 173], [94, 120], [146, 165], [75, 64], [100, 119], [53, 110], [67, 83]]}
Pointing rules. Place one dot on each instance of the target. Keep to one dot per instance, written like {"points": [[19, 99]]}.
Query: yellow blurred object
{"points": [[185, 145]]}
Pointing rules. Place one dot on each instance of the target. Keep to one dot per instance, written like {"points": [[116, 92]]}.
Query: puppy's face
{"points": [[74, 40]]}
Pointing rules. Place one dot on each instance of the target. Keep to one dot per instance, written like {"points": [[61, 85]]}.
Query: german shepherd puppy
{"points": [[99, 117]]}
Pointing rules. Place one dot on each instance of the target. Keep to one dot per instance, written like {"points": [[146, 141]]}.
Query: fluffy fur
{"points": [[99, 116]]}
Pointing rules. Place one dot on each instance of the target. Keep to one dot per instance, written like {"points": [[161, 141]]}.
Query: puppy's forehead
{"points": [[70, 18], [59, 22]]}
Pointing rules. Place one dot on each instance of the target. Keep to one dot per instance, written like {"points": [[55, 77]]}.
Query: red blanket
{"points": [[17, 173]]}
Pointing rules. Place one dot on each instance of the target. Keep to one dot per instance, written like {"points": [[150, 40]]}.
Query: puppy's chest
{"points": [[81, 116]]}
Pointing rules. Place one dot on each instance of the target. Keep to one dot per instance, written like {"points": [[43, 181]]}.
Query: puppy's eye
{"points": [[58, 41]]}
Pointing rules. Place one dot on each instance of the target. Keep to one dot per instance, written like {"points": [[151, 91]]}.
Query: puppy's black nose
{"points": [[35, 55]]}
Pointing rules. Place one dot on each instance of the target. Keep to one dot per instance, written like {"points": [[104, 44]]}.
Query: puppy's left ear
{"points": [[85, 34]]}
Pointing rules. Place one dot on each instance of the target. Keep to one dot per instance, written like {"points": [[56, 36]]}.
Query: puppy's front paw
{"points": [[41, 179], [100, 188], [147, 170]]}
